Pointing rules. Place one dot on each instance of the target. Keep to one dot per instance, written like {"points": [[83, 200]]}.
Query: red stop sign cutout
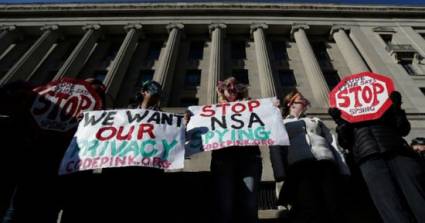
{"points": [[362, 97], [58, 103]]}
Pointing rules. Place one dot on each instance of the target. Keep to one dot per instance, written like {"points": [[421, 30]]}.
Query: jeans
{"points": [[236, 178], [396, 184]]}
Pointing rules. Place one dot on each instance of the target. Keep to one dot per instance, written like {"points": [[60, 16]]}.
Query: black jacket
{"points": [[379, 136]]}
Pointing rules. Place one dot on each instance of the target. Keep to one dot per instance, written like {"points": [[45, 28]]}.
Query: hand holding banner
{"points": [[241, 123], [118, 138]]}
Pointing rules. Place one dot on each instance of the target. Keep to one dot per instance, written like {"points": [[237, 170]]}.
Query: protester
{"points": [[16, 99], [418, 145], [73, 195], [311, 166], [139, 191], [236, 171], [393, 176], [149, 96]]}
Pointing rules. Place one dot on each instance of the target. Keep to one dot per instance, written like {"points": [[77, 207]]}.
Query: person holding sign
{"points": [[311, 165], [148, 181], [393, 175], [149, 96], [45, 123], [236, 171]]}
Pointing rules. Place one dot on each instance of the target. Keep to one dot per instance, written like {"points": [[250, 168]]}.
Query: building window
{"points": [[192, 79], [407, 66], [186, 102], [154, 50], [112, 51], [422, 90], [50, 75], [144, 75], [279, 50], [320, 50], [238, 51], [332, 78], [387, 38], [241, 75], [100, 75], [196, 50], [287, 78]]}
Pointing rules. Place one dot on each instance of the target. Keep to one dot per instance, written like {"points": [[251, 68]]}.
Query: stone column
{"points": [[163, 74], [75, 62], [311, 65], [268, 88], [349, 52], [216, 61], [115, 75], [29, 61], [6, 37]]}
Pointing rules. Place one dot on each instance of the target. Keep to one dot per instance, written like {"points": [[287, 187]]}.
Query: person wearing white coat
{"points": [[311, 166]]}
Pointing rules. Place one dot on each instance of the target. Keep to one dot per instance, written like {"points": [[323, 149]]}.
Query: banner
{"points": [[58, 103], [362, 97], [241, 123], [119, 138]]}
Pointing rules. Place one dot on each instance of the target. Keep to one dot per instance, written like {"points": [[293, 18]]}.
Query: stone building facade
{"points": [[188, 47]]}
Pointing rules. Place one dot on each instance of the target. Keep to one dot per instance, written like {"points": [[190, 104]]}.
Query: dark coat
{"points": [[384, 135]]}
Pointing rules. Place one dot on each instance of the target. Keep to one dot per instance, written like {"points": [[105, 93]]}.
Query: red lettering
{"points": [[86, 164], [131, 160], [367, 94], [146, 161], [85, 103], [95, 160], [240, 105], [104, 161], [343, 95], [166, 164], [120, 135], [145, 128], [253, 104], [356, 91], [120, 161], [100, 133], [207, 111], [223, 105], [69, 108], [46, 105], [377, 89], [156, 161], [54, 113]]}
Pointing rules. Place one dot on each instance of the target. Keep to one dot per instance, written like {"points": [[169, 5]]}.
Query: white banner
{"points": [[119, 138], [241, 123]]}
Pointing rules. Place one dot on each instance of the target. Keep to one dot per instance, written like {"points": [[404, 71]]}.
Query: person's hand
{"points": [[395, 97], [186, 117], [335, 113], [80, 117], [276, 102]]}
